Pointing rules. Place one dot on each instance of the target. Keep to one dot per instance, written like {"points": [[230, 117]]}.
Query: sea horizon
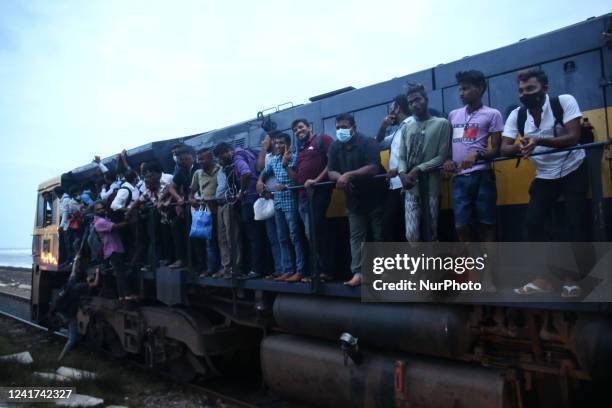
{"points": [[16, 257]]}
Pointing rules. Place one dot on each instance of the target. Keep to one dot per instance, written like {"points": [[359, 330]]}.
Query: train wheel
{"points": [[102, 337]]}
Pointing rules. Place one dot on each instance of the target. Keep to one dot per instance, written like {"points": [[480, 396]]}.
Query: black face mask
{"points": [[534, 100]]}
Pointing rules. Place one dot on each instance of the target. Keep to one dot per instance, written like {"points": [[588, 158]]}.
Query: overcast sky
{"points": [[79, 78]]}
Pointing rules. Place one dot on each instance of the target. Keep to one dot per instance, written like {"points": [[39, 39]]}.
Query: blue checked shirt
{"points": [[286, 199]]}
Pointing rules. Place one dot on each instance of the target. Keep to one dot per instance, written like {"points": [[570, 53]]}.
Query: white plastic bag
{"points": [[263, 209]]}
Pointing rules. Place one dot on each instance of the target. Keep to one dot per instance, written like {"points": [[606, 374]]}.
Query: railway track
{"points": [[9, 303], [15, 306]]}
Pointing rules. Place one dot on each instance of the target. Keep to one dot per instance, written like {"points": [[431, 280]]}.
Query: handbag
{"points": [[201, 224], [263, 209]]}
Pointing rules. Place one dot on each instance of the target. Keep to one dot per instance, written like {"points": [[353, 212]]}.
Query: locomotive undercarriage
{"points": [[399, 354]]}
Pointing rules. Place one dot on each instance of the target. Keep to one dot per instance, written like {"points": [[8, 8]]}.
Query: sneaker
{"points": [[250, 275]]}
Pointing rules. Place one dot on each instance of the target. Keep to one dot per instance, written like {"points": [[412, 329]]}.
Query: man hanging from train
{"points": [[68, 300], [423, 148], [311, 168], [474, 191], [398, 118], [353, 159], [546, 122], [285, 207], [203, 189], [239, 167]]}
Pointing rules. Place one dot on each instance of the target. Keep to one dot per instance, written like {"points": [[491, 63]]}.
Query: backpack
{"points": [[250, 156], [95, 244], [586, 133], [117, 216]]}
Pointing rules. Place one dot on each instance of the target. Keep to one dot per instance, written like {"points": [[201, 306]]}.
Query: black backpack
{"points": [[117, 216], [95, 244], [586, 134]]}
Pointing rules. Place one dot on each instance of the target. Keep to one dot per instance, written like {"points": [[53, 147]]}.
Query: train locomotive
{"points": [[318, 343]]}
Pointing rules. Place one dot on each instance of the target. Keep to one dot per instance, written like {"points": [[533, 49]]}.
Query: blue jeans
{"points": [[73, 334], [274, 245], [475, 193], [287, 232]]}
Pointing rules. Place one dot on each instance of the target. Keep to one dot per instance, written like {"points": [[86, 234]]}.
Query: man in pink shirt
{"points": [[112, 247]]}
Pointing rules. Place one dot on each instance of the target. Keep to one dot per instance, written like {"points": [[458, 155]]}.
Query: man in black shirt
{"points": [[353, 159], [181, 185]]}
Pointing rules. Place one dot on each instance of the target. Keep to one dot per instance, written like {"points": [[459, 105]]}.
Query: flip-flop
{"points": [[570, 291], [530, 289]]}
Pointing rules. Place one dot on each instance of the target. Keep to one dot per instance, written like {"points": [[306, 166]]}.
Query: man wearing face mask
{"points": [[353, 159], [549, 122], [398, 118], [423, 148]]}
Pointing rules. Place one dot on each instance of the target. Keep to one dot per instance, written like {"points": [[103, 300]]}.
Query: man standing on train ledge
{"points": [[353, 160], [285, 208], [311, 169], [228, 215], [393, 218], [240, 168], [203, 189], [181, 187], [423, 148], [549, 122], [474, 190]]}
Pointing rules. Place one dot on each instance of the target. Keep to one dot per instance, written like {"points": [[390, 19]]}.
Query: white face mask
{"points": [[343, 135]]}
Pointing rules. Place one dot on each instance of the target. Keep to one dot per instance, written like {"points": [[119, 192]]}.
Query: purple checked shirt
{"points": [[244, 163]]}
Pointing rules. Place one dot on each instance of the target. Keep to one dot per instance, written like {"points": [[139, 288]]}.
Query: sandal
{"points": [[570, 291], [530, 289]]}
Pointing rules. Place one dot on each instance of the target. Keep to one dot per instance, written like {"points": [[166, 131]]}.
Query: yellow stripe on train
{"points": [[512, 183]]}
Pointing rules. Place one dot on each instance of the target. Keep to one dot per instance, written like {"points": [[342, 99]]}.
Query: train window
{"points": [[49, 199], [44, 210], [40, 211], [579, 76]]}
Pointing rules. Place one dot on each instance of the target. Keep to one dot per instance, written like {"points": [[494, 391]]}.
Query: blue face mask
{"points": [[343, 135]]}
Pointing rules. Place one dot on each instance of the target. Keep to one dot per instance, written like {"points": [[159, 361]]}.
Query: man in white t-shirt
{"points": [[393, 218], [549, 123]]}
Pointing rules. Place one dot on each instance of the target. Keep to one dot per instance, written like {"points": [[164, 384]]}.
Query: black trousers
{"points": [[543, 196], [180, 236], [256, 236], [394, 225]]}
